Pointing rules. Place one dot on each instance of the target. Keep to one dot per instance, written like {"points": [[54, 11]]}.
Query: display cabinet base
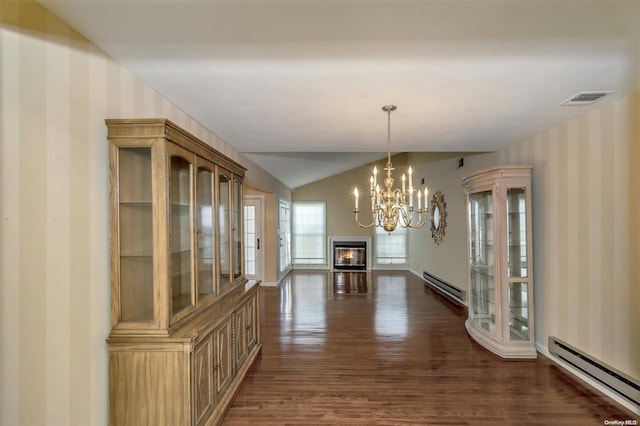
{"points": [[519, 351]]}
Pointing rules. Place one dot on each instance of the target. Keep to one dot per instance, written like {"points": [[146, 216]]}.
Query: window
{"points": [[391, 249], [250, 240], [309, 233], [285, 235]]}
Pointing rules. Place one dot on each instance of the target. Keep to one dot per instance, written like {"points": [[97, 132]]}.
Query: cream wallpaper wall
{"points": [[57, 89], [447, 261], [587, 231]]}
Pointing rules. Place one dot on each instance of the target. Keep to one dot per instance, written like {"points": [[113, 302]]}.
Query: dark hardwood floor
{"points": [[382, 348]]}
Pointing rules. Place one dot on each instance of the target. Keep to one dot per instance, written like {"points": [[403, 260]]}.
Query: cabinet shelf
{"points": [[136, 255], [141, 204], [185, 207], [482, 271]]}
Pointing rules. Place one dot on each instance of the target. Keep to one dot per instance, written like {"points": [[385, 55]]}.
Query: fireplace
{"points": [[350, 255]]}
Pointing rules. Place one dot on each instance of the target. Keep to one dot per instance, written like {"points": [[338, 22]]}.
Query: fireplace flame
{"points": [[349, 256], [346, 255]]}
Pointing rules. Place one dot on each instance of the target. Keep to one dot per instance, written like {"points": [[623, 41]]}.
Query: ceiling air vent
{"points": [[585, 98]]}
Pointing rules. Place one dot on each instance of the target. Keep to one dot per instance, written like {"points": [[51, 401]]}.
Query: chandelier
{"points": [[392, 207]]}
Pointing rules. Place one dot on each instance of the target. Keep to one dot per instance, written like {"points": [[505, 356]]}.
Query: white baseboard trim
{"points": [[275, 283], [416, 273], [587, 380], [311, 267], [419, 275]]}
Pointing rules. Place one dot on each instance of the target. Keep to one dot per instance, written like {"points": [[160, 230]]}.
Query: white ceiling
{"points": [[285, 79]]}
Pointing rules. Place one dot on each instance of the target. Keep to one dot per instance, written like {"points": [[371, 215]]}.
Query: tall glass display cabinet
{"points": [[185, 323], [500, 261]]}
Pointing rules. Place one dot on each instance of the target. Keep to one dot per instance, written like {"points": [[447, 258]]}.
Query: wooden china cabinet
{"points": [[500, 261], [185, 326]]}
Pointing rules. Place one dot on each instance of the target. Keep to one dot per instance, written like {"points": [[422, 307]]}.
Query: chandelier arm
{"points": [[406, 218], [420, 222], [417, 225], [373, 220], [401, 216]]}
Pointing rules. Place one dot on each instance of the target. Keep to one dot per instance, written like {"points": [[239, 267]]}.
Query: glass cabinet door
{"points": [[517, 264], [482, 280], [204, 229], [180, 202], [237, 230], [516, 232], [135, 234], [224, 230]]}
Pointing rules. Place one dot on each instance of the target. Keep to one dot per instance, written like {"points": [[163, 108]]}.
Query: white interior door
{"points": [[253, 240]]}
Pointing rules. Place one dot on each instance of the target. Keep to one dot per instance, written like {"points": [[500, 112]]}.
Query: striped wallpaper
{"points": [[57, 89], [587, 231]]}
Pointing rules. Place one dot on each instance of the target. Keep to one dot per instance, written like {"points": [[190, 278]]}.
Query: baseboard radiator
{"points": [[449, 290], [598, 371]]}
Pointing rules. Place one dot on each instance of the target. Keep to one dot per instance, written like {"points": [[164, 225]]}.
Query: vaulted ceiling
{"points": [[298, 85]]}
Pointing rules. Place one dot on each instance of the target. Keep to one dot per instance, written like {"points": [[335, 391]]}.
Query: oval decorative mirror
{"points": [[438, 216]]}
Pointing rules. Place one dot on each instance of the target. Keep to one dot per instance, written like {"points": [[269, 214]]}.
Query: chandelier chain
{"points": [[388, 136]]}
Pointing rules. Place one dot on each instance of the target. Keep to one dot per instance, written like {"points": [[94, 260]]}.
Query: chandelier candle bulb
{"points": [[375, 177], [403, 178], [410, 196], [355, 193]]}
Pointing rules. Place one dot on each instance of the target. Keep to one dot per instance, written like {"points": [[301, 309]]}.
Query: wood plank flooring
{"points": [[382, 348]]}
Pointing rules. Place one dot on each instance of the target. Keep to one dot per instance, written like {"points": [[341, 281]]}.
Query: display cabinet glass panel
{"points": [[181, 234], [518, 311], [516, 232], [236, 230], [205, 231], [135, 234], [481, 260], [224, 230]]}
